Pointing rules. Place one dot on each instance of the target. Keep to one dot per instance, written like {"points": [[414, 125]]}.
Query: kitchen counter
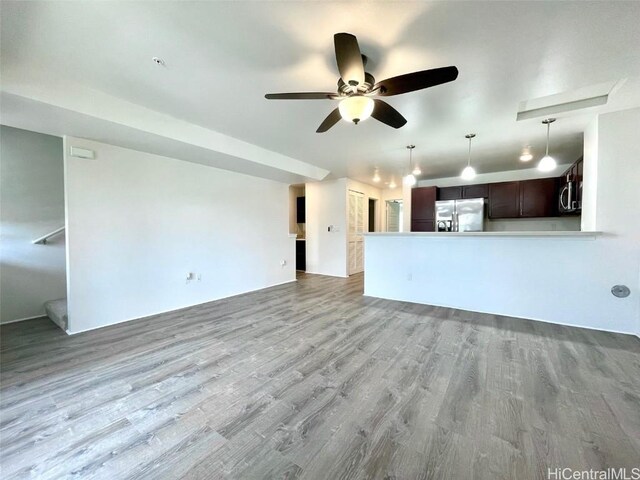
{"points": [[555, 276], [486, 234]]}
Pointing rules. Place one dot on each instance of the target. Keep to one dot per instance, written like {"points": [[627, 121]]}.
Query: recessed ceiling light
{"points": [[158, 61]]}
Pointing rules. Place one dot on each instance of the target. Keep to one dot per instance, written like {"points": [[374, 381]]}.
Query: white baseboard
{"points": [[75, 332], [23, 319], [508, 315]]}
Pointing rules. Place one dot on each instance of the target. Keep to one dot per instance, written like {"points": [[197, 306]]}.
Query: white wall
{"points": [[137, 223], [560, 280], [326, 204], [32, 204], [557, 280], [617, 171]]}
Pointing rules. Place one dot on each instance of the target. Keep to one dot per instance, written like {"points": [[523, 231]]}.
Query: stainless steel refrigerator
{"points": [[460, 215]]}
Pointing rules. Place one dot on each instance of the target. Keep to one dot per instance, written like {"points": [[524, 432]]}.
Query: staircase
{"points": [[57, 312]]}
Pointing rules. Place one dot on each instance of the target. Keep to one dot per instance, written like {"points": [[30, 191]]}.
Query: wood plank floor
{"points": [[313, 380]]}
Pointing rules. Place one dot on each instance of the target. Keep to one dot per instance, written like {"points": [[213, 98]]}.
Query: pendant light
{"points": [[410, 180], [468, 173], [526, 154], [547, 163]]}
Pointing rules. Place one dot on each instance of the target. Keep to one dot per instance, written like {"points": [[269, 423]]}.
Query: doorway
{"points": [[394, 216], [373, 209], [356, 230]]}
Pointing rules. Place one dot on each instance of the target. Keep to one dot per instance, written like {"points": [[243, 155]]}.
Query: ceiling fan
{"points": [[356, 87]]}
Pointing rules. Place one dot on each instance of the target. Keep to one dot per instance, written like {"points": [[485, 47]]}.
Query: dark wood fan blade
{"points": [[411, 82], [301, 96], [385, 113], [349, 58], [333, 118]]}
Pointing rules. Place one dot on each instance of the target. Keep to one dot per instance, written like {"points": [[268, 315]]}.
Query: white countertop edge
{"points": [[485, 234]]}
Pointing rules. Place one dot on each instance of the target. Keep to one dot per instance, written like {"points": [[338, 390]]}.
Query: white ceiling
{"points": [[222, 57]]}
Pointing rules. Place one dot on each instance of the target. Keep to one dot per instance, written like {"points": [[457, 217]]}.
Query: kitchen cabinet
{"points": [[538, 198], [525, 199], [301, 254], [475, 191], [300, 210], [450, 193], [463, 191], [504, 200], [423, 206], [423, 225]]}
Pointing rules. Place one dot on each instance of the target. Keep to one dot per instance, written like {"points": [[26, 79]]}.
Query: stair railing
{"points": [[43, 239]]}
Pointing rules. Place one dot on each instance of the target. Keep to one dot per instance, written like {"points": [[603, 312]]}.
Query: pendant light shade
{"points": [[468, 173], [356, 108], [547, 163], [410, 179], [416, 170]]}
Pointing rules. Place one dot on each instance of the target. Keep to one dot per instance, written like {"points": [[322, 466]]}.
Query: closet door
{"points": [[356, 229]]}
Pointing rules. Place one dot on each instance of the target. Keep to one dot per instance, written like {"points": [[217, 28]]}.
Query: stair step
{"points": [[57, 312]]}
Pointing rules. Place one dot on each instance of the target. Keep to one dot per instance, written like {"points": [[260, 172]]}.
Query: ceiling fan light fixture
{"points": [[526, 157], [356, 108]]}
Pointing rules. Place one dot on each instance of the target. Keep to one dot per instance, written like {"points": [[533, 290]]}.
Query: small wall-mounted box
{"points": [[82, 152]]}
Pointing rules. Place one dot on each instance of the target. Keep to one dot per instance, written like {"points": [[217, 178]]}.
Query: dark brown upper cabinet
{"points": [[538, 198], [450, 193], [463, 191], [423, 209], [475, 191], [504, 200], [525, 199]]}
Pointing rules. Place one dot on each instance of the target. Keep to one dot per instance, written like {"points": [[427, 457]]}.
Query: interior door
{"points": [[394, 216], [356, 229]]}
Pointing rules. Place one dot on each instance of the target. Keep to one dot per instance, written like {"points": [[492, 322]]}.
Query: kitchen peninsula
{"points": [[557, 277]]}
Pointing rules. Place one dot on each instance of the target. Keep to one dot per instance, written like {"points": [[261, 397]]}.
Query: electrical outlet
{"points": [[283, 263]]}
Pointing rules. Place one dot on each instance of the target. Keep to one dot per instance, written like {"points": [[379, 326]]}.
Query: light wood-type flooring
{"points": [[313, 380]]}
